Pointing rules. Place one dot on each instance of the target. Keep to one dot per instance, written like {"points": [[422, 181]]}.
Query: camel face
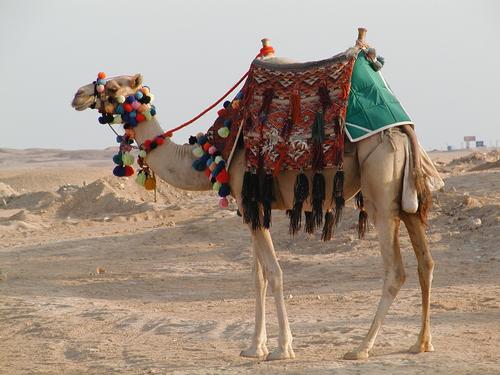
{"points": [[85, 97]]}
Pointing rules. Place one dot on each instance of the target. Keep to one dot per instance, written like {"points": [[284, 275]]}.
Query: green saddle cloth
{"points": [[372, 105]]}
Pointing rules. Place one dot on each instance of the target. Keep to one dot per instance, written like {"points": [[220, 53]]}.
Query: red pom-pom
{"points": [[222, 176], [140, 117], [206, 146], [208, 172], [147, 144], [159, 140], [221, 112], [129, 171], [101, 75], [168, 134], [127, 107]]}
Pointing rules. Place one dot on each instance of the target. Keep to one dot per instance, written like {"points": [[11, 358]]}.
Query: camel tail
{"points": [[424, 194]]}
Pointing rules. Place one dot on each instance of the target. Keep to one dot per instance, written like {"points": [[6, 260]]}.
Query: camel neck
{"points": [[170, 161]]}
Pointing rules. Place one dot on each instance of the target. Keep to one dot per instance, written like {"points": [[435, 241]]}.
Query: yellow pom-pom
{"points": [[150, 183]]}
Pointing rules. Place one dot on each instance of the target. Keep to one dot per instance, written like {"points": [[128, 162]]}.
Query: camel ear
{"points": [[136, 81]]}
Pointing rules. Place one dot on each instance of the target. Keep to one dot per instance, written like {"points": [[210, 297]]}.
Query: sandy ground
{"points": [[95, 278]]}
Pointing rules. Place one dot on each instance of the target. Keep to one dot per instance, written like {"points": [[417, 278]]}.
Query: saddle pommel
{"points": [[266, 50], [361, 37]]}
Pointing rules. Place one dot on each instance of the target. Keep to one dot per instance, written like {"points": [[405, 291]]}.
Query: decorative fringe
{"points": [[301, 192], [324, 97], [317, 156], [310, 224], [338, 195], [318, 128], [295, 104], [318, 198], [266, 104], [250, 199], [328, 227], [360, 203], [267, 197]]}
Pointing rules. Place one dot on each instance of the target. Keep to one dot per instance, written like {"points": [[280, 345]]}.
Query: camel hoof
{"points": [[281, 353], [421, 347], [255, 352], [356, 354]]}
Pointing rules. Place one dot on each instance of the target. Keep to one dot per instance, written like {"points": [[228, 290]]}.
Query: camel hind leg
{"points": [[420, 245]]}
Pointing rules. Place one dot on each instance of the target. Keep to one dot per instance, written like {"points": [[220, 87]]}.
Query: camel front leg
{"points": [[388, 232], [274, 275], [425, 268], [258, 347]]}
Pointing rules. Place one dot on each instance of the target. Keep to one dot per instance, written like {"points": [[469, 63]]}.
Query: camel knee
{"points": [[275, 279], [395, 280]]}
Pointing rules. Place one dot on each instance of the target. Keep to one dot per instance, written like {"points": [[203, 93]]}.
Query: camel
{"points": [[376, 168]]}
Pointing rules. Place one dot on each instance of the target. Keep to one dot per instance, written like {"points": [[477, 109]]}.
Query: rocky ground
{"points": [[96, 278]]}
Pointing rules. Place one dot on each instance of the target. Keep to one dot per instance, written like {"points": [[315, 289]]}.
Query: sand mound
{"points": [[477, 158], [486, 166], [33, 201]]}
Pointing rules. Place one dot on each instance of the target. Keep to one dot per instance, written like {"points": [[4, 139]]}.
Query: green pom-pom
{"points": [[216, 186], [223, 132], [218, 159], [141, 178], [117, 119], [143, 154], [128, 159], [198, 152]]}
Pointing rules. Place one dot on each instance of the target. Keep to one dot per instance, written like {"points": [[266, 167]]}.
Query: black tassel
{"points": [[362, 224], [301, 192], [360, 203], [310, 224], [338, 195], [267, 197], [318, 198], [250, 199], [328, 227]]}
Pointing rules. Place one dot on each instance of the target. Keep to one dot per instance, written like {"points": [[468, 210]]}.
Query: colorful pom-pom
{"points": [[120, 99], [117, 119], [212, 166], [192, 140], [136, 105], [223, 132], [101, 75], [239, 95], [119, 139], [150, 183], [218, 159], [224, 190], [101, 82], [202, 140], [207, 172], [141, 178], [198, 152], [140, 117], [139, 95], [130, 99], [119, 171], [128, 159], [206, 146], [117, 159], [198, 165], [223, 176], [151, 97], [226, 104], [212, 150], [223, 203], [142, 154], [132, 114], [129, 171], [159, 140], [127, 107], [216, 186], [119, 109], [145, 90], [227, 123], [100, 88], [102, 120], [153, 111]]}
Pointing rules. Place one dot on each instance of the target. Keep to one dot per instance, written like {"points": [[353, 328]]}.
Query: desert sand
{"points": [[97, 278]]}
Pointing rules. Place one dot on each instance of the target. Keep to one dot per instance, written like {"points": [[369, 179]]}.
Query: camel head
{"points": [[103, 93]]}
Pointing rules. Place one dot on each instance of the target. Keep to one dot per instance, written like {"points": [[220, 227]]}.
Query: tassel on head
{"points": [[318, 198], [327, 233]]}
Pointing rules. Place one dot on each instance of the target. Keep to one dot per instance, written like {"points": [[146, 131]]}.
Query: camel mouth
{"points": [[81, 101]]}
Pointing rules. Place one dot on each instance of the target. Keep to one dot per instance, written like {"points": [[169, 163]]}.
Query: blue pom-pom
{"points": [[209, 161], [130, 99], [239, 95], [132, 122], [139, 95], [132, 114], [198, 165], [102, 120], [153, 111], [204, 159], [117, 159], [119, 171], [101, 82], [227, 103], [119, 138], [227, 123], [202, 140], [224, 190], [217, 169], [119, 109], [222, 164]]}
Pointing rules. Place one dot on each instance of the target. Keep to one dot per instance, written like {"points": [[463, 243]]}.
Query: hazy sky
{"points": [[442, 59]]}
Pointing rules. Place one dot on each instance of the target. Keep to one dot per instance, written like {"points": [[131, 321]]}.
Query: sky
{"points": [[442, 59]]}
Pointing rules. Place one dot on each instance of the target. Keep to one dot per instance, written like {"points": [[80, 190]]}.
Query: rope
{"points": [[169, 133]]}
